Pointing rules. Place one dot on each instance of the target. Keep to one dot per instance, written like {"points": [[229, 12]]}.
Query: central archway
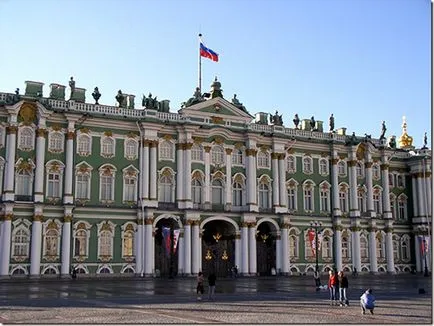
{"points": [[266, 236], [218, 248], [166, 254]]}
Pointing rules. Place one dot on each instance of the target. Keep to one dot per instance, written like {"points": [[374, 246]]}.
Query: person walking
{"points": [[211, 282], [333, 285], [343, 286], [367, 301], [199, 287], [317, 279]]}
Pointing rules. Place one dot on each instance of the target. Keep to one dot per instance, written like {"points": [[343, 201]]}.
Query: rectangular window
{"points": [[325, 207], [82, 191], [130, 189], [308, 203], [292, 200], [53, 189], [24, 183], [106, 187]]}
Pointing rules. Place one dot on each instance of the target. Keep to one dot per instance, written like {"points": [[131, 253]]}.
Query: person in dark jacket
{"points": [[211, 282], [343, 286]]}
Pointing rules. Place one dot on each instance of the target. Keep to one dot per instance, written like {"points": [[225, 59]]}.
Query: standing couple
{"points": [[200, 288], [338, 285]]}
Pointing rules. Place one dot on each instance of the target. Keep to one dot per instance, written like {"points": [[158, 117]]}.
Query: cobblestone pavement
{"points": [[278, 300]]}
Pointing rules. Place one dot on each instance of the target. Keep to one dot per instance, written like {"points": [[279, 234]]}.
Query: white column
{"points": [[282, 180], [354, 206], [285, 256], [355, 235], [187, 175], [35, 249], [68, 197], [338, 248], [387, 213], [389, 253], [244, 249], [200, 250], [153, 171], [66, 245], [252, 249], [153, 250], [140, 247], [39, 169], [335, 187], [187, 247], [369, 189], [428, 196], [149, 252], [206, 194], [275, 171], [6, 245], [10, 163], [228, 178], [420, 194], [145, 169], [238, 249], [373, 251], [181, 254], [195, 248], [279, 253], [180, 179]]}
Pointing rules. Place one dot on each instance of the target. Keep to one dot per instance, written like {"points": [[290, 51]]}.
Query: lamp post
{"points": [[422, 229], [143, 238], [315, 225]]}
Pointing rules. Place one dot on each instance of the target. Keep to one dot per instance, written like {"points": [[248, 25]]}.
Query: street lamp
{"points": [[315, 225], [143, 238]]}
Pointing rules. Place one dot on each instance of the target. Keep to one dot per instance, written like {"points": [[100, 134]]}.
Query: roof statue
{"points": [[96, 95], [276, 119], [197, 98], [296, 121], [150, 103], [383, 130], [312, 123], [216, 90], [352, 140], [238, 104], [120, 98], [425, 141], [405, 141], [72, 86], [392, 142], [332, 123]]}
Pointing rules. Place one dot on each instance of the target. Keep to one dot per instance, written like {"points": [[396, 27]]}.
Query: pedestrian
{"points": [[343, 286], [333, 286], [199, 287], [74, 273], [317, 279], [211, 282], [367, 301]]}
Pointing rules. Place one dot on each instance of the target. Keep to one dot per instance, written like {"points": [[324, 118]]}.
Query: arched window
{"points": [[402, 207], [105, 243], [392, 199], [291, 164], [326, 246], [346, 252], [292, 196], [55, 142], [21, 243], [128, 241], [293, 247], [237, 191], [307, 165], [324, 194], [237, 157], [343, 198], [82, 182], [323, 166], [263, 160], [342, 168], [84, 145], [107, 183], [359, 170], [376, 197], [380, 243], [165, 191], [80, 243], [24, 182], [196, 191], [197, 153], [308, 197], [264, 192], [51, 243], [130, 186], [363, 247], [400, 181], [405, 249], [217, 155], [391, 180], [395, 249], [361, 199], [130, 149], [107, 147], [166, 151], [26, 138], [375, 171], [217, 191]]}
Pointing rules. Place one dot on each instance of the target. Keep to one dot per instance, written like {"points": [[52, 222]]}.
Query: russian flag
{"points": [[208, 53]]}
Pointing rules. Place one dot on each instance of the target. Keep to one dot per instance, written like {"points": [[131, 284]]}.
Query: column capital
{"points": [[228, 151], [11, 130], [334, 161], [70, 135], [368, 165], [244, 224], [8, 217], [281, 156], [146, 142], [188, 146], [285, 225], [355, 228], [207, 149], [384, 166], [189, 222], [179, 146], [251, 152], [388, 229], [153, 143], [251, 224], [67, 218], [149, 221], [337, 227], [352, 163], [274, 156], [38, 218], [371, 229], [41, 132]]}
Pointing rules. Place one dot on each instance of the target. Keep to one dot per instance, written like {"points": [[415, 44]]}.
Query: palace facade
{"points": [[144, 191]]}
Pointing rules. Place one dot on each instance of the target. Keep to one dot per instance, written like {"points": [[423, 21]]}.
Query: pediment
{"points": [[217, 108]]}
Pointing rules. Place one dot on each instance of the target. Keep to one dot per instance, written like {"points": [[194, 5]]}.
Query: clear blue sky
{"points": [[363, 60]]}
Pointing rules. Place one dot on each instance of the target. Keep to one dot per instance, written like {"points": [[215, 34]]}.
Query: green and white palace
{"points": [[94, 188]]}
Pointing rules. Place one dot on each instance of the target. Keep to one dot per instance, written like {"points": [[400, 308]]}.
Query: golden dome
{"points": [[405, 141]]}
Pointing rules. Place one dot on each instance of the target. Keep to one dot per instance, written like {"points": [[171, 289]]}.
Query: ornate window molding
{"points": [[81, 236], [51, 244], [131, 148], [84, 144], [342, 168], [128, 240], [217, 155], [106, 231], [54, 180], [308, 196], [107, 174], [323, 166], [166, 151], [83, 175], [291, 164], [307, 165], [20, 240], [197, 153], [108, 147], [238, 190], [264, 192], [324, 195], [24, 176], [197, 182], [238, 157], [130, 179], [292, 195], [26, 138], [166, 185], [56, 142]]}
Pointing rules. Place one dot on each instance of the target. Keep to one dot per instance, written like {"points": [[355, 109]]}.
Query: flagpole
{"points": [[200, 66]]}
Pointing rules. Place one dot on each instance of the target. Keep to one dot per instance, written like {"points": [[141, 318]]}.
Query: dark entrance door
{"points": [[265, 249], [218, 248], [166, 259]]}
